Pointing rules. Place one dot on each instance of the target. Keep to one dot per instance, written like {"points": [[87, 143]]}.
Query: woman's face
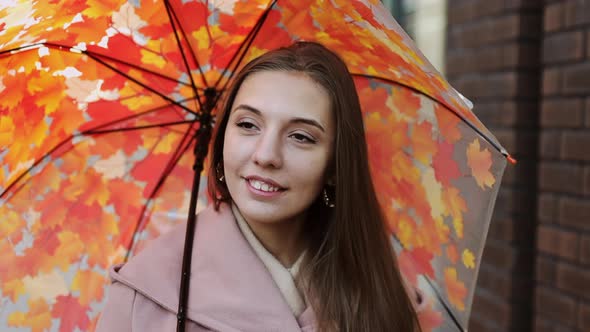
{"points": [[277, 145]]}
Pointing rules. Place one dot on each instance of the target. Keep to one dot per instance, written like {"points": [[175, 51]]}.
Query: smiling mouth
{"points": [[263, 185]]}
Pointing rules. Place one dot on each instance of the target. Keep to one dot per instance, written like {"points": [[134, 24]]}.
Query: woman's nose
{"points": [[268, 151]]}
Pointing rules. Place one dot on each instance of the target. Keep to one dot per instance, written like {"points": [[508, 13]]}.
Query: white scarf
{"points": [[283, 277]]}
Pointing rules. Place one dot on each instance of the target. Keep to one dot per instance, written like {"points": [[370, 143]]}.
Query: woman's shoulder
{"points": [[156, 269], [166, 248]]}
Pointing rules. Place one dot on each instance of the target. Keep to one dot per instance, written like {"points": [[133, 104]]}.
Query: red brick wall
{"points": [[493, 58], [526, 66], [562, 291]]}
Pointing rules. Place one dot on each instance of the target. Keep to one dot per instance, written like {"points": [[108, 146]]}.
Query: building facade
{"points": [[525, 64]]}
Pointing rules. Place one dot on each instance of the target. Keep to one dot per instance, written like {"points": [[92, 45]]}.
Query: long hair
{"points": [[351, 273]]}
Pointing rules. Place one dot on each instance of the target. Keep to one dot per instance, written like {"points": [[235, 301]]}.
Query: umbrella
{"points": [[105, 115]]}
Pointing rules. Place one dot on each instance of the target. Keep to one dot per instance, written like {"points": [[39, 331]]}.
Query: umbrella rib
{"points": [[245, 44], [169, 167], [462, 118], [29, 47], [207, 24], [136, 67], [438, 296], [173, 17], [35, 164], [165, 124], [170, 100], [444, 304], [95, 130], [138, 115], [65, 48]]}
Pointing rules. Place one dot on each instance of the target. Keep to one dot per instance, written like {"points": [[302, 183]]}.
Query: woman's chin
{"points": [[266, 212]]}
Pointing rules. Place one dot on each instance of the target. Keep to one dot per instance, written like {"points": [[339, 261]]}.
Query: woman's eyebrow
{"points": [[310, 122], [307, 121]]}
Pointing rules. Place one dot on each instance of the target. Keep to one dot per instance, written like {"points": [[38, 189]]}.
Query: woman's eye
{"points": [[303, 138], [246, 125]]}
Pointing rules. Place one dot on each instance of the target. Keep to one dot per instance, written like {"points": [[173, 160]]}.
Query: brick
{"points": [[577, 12], [523, 174], [498, 85], [576, 145], [573, 279], [461, 13], [554, 17], [499, 284], [547, 207], [456, 61], [559, 177], [506, 27], [574, 212], [576, 79], [555, 305], [499, 255], [562, 112], [545, 270], [550, 144], [513, 230], [506, 113], [489, 113], [523, 4], [464, 37], [488, 8], [540, 324], [509, 55], [504, 202], [557, 242], [516, 200], [494, 308], [477, 323], [551, 81], [501, 229], [491, 86], [565, 46], [585, 250], [489, 58], [584, 317]]}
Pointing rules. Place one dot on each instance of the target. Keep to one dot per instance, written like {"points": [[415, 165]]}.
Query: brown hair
{"points": [[353, 281]]}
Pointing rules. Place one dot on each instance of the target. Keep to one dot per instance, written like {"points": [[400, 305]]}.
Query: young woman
{"points": [[295, 238]]}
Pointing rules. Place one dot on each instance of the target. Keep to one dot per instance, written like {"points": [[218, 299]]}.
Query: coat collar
{"points": [[230, 288]]}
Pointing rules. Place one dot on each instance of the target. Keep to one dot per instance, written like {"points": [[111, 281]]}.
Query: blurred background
{"points": [[525, 64]]}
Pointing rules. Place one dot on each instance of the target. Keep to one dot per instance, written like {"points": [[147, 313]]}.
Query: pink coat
{"points": [[230, 288]]}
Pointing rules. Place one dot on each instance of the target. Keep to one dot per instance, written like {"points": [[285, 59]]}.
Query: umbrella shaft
{"points": [[202, 138]]}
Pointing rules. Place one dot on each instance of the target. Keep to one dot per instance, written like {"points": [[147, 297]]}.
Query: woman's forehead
{"points": [[284, 94]]}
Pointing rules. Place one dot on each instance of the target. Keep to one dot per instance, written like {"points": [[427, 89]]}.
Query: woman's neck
{"points": [[284, 239]]}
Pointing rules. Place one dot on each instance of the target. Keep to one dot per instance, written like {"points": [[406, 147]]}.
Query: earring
{"points": [[219, 171], [327, 199]]}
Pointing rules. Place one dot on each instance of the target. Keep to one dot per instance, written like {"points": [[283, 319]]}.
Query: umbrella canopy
{"points": [[100, 106]]}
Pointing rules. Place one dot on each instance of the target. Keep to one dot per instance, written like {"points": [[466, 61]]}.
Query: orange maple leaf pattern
{"points": [[480, 162], [99, 194], [456, 290]]}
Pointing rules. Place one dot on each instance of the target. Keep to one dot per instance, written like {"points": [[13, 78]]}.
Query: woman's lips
{"points": [[263, 187], [260, 181]]}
